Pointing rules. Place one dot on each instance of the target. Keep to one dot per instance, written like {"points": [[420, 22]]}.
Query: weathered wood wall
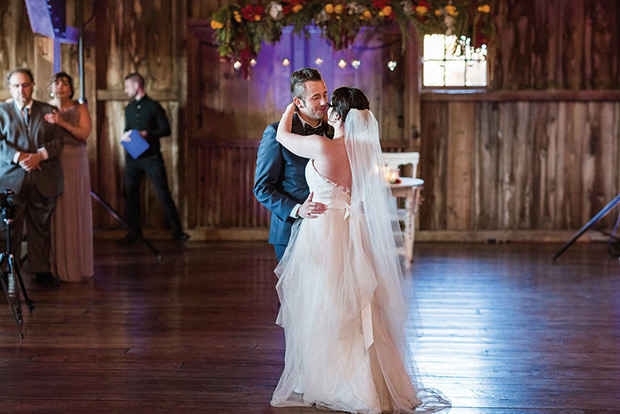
{"points": [[540, 149], [521, 165]]}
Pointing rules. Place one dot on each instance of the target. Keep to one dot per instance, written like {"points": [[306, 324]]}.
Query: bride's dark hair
{"points": [[344, 99]]}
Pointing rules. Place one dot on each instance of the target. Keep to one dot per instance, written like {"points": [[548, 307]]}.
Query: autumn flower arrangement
{"points": [[240, 29]]}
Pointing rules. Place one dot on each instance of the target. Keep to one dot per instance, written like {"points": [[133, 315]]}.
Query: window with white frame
{"points": [[452, 64]]}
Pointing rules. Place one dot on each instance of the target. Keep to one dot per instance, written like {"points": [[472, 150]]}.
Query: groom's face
{"points": [[313, 107]]}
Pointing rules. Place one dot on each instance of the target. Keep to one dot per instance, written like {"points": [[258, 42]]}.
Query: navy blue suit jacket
{"points": [[280, 181]]}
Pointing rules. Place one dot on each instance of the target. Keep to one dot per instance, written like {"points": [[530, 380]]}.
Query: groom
{"points": [[280, 182]]}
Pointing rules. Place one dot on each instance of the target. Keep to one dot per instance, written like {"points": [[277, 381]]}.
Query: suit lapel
{"points": [[35, 117], [18, 120]]}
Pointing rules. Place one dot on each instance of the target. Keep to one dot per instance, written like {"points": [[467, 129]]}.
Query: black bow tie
{"points": [[309, 130]]}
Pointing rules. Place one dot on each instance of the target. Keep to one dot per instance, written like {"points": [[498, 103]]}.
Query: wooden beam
{"points": [[118, 95], [474, 95]]}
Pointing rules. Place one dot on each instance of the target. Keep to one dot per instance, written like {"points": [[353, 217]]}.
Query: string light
{"points": [[286, 62], [342, 63], [237, 65], [318, 61], [356, 63], [253, 62], [391, 65]]}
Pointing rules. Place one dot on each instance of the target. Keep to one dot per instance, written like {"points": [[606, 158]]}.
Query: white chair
{"points": [[407, 194], [396, 159]]}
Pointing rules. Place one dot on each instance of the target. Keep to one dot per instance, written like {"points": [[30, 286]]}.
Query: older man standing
{"points": [[29, 165]]}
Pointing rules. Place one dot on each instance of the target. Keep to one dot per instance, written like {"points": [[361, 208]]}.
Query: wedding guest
{"points": [[72, 226], [29, 165]]}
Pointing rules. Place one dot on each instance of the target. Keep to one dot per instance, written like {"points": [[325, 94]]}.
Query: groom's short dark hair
{"points": [[301, 76]]}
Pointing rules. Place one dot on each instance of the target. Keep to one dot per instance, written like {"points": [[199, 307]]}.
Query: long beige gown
{"points": [[72, 224]]}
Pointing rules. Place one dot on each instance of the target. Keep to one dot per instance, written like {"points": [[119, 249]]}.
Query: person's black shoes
{"points": [[46, 278], [181, 238]]}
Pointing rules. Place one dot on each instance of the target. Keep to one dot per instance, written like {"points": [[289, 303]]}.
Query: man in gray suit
{"points": [[29, 165]]}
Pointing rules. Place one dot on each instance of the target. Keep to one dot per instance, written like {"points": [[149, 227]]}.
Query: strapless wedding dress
{"points": [[339, 349]]}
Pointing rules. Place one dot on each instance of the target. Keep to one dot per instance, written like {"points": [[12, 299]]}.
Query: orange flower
{"points": [[421, 9], [387, 10], [485, 8], [338, 8], [451, 10], [329, 8], [216, 25], [297, 7]]}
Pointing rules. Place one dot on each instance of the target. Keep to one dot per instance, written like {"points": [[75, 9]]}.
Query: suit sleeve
{"points": [[7, 149], [268, 169], [54, 145]]}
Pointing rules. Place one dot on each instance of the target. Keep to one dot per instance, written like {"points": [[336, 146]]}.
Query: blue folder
{"points": [[137, 145]]}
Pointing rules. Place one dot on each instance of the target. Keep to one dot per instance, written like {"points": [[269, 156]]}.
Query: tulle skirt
{"points": [[344, 351]]}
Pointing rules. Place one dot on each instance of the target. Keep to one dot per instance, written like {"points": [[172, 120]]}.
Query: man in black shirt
{"points": [[149, 119]]}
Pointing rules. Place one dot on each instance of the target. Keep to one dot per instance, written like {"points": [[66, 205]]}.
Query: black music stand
{"points": [[121, 220], [604, 211]]}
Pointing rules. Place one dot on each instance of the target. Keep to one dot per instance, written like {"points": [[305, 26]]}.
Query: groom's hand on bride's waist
{"points": [[311, 209]]}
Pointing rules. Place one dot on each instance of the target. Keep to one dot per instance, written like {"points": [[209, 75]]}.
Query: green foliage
{"points": [[241, 29]]}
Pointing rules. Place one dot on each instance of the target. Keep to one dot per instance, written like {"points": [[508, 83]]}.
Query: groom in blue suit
{"points": [[280, 182]]}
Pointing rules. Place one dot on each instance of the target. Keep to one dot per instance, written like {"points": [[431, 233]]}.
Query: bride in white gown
{"points": [[343, 308]]}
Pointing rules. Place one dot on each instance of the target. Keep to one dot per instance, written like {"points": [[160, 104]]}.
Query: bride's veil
{"points": [[373, 215]]}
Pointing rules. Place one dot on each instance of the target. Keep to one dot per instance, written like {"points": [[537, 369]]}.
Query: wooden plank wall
{"points": [[540, 150], [222, 169], [518, 165]]}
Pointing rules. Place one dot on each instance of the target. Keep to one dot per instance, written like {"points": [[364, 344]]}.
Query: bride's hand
{"points": [[290, 108], [311, 209]]}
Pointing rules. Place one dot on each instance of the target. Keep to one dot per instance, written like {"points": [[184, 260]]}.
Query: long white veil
{"points": [[373, 220]]}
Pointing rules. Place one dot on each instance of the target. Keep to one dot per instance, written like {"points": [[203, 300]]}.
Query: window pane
{"points": [[434, 47], [453, 64], [476, 74], [433, 73], [455, 73]]}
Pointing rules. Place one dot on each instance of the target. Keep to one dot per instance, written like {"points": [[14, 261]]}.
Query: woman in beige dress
{"points": [[72, 228]]}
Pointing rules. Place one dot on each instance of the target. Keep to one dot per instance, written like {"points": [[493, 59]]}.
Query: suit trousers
{"points": [[153, 166], [37, 212]]}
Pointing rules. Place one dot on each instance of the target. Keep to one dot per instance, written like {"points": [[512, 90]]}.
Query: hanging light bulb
{"points": [[253, 62], [318, 61], [237, 65], [391, 65], [286, 62], [342, 63], [356, 63]]}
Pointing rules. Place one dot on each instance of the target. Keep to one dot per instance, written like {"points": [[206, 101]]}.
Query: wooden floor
{"points": [[505, 331]]}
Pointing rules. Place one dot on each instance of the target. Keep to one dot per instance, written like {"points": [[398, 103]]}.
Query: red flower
{"points": [[286, 10], [380, 4], [296, 2], [248, 13], [259, 9], [423, 3]]}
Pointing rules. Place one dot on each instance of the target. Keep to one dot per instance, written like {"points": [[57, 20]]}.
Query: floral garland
{"points": [[241, 29]]}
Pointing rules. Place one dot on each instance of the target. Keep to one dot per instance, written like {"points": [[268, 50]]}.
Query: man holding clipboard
{"points": [[145, 124]]}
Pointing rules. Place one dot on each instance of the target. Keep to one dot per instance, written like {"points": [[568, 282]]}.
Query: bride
{"points": [[343, 307]]}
